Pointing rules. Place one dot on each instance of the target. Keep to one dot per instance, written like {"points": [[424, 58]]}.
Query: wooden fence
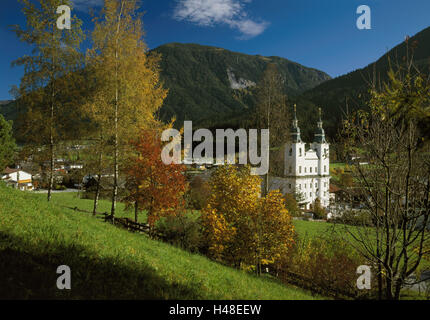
{"points": [[125, 223]]}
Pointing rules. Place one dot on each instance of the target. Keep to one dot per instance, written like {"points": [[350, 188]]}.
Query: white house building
{"points": [[18, 178], [306, 172]]}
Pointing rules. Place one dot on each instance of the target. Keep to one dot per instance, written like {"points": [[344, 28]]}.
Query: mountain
{"points": [[210, 85], [351, 90], [7, 109], [214, 87]]}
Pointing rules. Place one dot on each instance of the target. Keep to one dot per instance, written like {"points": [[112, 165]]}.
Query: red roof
{"points": [[333, 188]]}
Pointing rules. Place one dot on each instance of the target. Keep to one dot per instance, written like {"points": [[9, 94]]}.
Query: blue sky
{"points": [[316, 33]]}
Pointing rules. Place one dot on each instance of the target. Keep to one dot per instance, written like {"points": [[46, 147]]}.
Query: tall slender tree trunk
{"points": [[266, 188], [51, 147], [51, 125], [99, 177], [389, 288], [115, 175], [116, 153], [51, 168], [379, 281]]}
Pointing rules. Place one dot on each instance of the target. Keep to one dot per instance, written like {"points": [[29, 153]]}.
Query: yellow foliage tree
{"points": [[242, 228], [128, 91]]}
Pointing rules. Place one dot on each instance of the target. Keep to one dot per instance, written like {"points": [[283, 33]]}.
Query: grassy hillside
{"points": [[107, 262]]}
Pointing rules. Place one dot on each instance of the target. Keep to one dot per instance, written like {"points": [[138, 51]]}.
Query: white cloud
{"points": [[85, 5], [213, 12]]}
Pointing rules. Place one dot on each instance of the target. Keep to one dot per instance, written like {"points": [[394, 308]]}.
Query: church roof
{"points": [[295, 130], [319, 136]]}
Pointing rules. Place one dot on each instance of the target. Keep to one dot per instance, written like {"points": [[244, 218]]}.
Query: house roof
{"points": [[333, 188], [9, 170]]}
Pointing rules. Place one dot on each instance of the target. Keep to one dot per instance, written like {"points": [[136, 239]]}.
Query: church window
{"points": [[310, 194], [291, 152], [300, 152], [310, 169], [289, 186], [300, 186], [325, 168], [305, 169], [289, 169], [316, 169], [316, 185], [300, 169]]}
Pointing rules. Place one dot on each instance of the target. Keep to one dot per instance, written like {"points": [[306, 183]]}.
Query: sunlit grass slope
{"points": [[107, 262]]}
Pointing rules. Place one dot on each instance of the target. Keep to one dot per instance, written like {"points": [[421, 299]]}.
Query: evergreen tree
{"points": [[7, 143]]}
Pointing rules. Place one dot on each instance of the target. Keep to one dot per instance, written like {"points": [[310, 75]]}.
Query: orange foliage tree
{"points": [[242, 228], [154, 186]]}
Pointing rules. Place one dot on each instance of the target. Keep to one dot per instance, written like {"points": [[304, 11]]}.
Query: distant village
{"points": [[306, 174]]}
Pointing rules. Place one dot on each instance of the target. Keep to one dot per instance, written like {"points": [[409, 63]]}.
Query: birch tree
{"points": [[128, 89], [395, 185], [271, 113]]}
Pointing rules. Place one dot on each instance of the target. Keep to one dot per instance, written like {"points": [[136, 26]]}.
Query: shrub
{"points": [[355, 218], [323, 265], [291, 205], [198, 194], [319, 211], [183, 231]]}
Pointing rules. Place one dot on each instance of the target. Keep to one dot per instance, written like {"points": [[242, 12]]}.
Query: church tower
{"points": [[294, 150], [321, 148]]}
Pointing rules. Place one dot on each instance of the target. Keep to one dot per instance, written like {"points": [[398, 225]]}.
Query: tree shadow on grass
{"points": [[28, 271]]}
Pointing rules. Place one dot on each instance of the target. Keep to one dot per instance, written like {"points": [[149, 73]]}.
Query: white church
{"points": [[306, 172]]}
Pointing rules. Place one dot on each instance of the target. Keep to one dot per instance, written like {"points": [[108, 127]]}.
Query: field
{"points": [[335, 165], [311, 229], [107, 262]]}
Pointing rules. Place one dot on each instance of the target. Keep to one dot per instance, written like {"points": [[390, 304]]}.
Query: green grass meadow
{"points": [[107, 262]]}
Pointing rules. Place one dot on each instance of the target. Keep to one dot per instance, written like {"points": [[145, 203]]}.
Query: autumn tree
{"points": [[242, 228], [292, 205], [47, 91], [95, 163], [128, 89], [272, 113], [318, 210], [395, 186], [198, 193], [275, 229], [7, 143], [152, 185]]}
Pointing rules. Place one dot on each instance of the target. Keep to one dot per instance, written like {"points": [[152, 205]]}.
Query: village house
{"points": [[17, 178]]}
